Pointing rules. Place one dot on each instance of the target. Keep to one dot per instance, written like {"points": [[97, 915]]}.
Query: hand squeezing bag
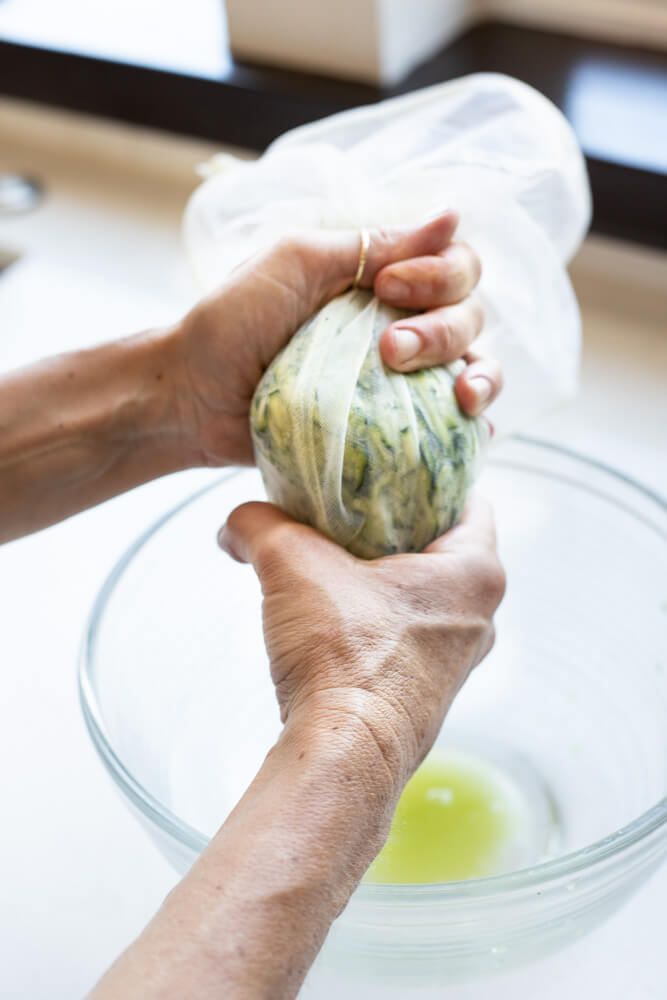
{"points": [[377, 460], [380, 461]]}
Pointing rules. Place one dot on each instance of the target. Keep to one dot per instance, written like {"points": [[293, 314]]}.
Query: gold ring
{"points": [[363, 254]]}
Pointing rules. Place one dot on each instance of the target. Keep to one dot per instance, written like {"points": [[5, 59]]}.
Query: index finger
{"points": [[390, 246], [330, 260]]}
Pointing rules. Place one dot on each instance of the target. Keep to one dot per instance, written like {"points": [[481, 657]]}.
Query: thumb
{"points": [[263, 535], [251, 527]]}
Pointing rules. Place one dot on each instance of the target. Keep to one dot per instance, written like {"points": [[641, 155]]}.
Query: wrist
{"points": [[355, 729], [157, 358], [207, 405]]}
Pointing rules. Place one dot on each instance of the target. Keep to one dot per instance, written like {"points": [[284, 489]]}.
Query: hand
{"points": [[142, 407], [225, 344], [366, 657], [383, 645]]}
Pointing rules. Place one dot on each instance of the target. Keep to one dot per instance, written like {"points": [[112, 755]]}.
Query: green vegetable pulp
{"points": [[456, 819], [407, 452]]}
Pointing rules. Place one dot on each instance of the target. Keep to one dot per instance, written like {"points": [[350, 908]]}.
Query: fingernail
{"points": [[481, 388], [394, 288], [407, 344]]}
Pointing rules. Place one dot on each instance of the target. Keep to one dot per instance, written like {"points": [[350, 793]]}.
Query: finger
{"points": [[389, 246], [434, 338], [266, 537], [427, 282], [305, 271], [245, 530], [478, 385], [336, 255], [475, 530]]}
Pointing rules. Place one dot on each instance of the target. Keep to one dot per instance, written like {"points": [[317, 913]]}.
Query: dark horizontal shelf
{"points": [[614, 96]]}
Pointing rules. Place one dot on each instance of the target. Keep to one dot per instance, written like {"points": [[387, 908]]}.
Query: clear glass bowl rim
{"points": [[566, 866]]}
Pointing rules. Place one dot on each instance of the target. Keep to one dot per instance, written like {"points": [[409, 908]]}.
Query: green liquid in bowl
{"points": [[459, 817]]}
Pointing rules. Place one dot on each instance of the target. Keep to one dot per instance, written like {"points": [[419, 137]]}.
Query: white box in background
{"points": [[372, 41]]}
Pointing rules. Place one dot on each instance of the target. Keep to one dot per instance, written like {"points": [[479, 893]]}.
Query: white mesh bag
{"points": [[380, 461]]}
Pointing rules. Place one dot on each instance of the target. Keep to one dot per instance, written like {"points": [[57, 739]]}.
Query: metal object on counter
{"points": [[19, 194], [7, 258]]}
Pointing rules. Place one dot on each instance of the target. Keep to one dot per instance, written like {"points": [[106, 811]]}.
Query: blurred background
{"points": [[106, 110]]}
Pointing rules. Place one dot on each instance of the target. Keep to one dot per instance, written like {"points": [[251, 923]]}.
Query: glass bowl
{"points": [[571, 704]]}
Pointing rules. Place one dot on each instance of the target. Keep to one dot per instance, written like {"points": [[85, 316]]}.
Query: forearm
{"points": [[79, 428], [250, 917]]}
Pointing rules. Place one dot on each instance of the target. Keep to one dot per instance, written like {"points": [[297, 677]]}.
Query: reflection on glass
{"points": [[620, 113]]}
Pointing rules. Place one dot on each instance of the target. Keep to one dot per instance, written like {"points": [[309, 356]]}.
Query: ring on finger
{"points": [[363, 255]]}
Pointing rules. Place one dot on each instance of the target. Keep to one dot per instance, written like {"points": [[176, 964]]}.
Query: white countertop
{"points": [[79, 877]]}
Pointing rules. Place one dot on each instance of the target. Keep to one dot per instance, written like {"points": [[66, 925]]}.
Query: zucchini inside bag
{"points": [[379, 461], [507, 160]]}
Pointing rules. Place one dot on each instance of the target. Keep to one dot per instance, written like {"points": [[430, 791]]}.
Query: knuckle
{"points": [[489, 641], [473, 263], [293, 255], [462, 269], [301, 250], [274, 547], [383, 246], [498, 377], [289, 245], [382, 236], [476, 264], [477, 315], [493, 582], [444, 336], [487, 579], [456, 281]]}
